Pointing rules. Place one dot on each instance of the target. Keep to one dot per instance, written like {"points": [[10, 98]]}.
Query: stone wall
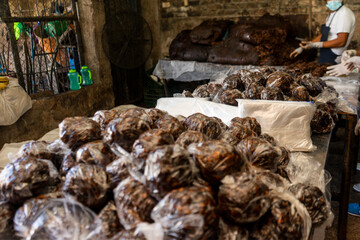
{"points": [[47, 113], [177, 15]]}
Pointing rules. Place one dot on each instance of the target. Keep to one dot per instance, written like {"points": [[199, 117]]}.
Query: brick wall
{"points": [[177, 15]]}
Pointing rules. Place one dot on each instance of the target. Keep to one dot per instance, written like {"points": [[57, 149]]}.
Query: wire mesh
{"points": [[46, 42]]}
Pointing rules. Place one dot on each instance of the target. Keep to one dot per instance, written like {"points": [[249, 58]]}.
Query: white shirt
{"points": [[343, 22]]}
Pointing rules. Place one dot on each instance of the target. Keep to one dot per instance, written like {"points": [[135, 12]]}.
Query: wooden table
{"points": [[350, 158]]}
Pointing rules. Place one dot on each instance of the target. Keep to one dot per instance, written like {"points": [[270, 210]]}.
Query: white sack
{"points": [[288, 122], [187, 106], [14, 102]]}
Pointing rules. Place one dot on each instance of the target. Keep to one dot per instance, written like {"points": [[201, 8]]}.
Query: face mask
{"points": [[334, 5]]}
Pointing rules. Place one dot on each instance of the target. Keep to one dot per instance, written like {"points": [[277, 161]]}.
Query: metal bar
{"points": [[310, 20], [29, 84], [13, 44], [39, 18]]}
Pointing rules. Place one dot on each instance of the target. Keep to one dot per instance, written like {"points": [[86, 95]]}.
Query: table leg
{"points": [[346, 175]]}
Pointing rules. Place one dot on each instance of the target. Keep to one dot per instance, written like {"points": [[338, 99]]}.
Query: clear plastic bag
{"points": [[280, 80], [60, 150], [76, 131], [189, 136], [171, 125], [180, 205], [67, 220], [229, 231], [213, 88], [37, 149], [133, 203], [229, 97], [204, 124], [241, 132], [110, 221], [87, 184], [96, 152], [260, 153], [287, 218], [272, 180], [217, 97], [124, 131], [233, 82], [7, 212], [243, 197], [27, 177], [117, 171], [26, 214], [216, 159], [283, 163], [322, 122], [272, 94], [305, 171], [68, 161], [138, 113], [103, 117], [186, 227], [248, 122], [326, 96], [168, 167], [155, 113], [148, 141], [253, 91], [201, 92], [313, 199], [229, 137], [51, 151], [132, 234]]}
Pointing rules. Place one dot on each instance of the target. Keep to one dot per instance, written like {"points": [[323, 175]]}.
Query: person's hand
{"points": [[337, 70], [347, 54], [296, 52], [352, 63], [309, 44], [357, 128]]}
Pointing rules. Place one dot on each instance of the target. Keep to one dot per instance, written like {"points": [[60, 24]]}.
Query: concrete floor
{"points": [[334, 158]]}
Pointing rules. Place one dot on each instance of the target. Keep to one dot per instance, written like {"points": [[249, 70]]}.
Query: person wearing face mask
{"points": [[335, 35]]}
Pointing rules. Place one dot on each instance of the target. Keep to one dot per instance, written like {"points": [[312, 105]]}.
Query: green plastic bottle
{"points": [[86, 75], [75, 79]]}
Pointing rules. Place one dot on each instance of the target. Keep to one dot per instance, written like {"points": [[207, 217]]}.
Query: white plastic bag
{"points": [[188, 106], [14, 102], [288, 122]]}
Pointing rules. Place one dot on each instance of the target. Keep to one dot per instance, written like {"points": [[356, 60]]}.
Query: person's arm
{"points": [[317, 39], [340, 41]]}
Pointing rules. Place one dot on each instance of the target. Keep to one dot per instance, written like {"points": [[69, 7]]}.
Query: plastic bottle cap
{"points": [[72, 70], [84, 67]]}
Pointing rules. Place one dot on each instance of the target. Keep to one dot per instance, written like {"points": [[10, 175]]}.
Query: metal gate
{"points": [[40, 41]]}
